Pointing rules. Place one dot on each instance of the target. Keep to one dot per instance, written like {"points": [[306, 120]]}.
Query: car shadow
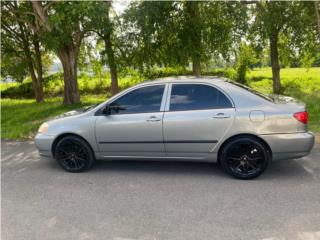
{"points": [[306, 168], [159, 167], [282, 170]]}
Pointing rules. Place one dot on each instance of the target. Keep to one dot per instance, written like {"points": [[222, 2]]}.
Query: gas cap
{"points": [[257, 116]]}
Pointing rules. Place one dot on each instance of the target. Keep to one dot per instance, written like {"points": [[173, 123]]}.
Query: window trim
{"points": [[167, 107], [110, 101]]}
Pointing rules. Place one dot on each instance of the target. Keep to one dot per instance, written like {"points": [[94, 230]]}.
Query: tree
{"points": [[21, 46], [193, 34], [62, 28], [104, 27], [274, 20], [179, 32], [245, 58], [270, 20], [317, 11]]}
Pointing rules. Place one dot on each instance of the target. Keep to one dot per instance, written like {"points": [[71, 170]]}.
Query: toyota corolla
{"points": [[183, 118]]}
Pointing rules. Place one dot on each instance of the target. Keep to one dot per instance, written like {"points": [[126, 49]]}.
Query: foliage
{"points": [[21, 117], [17, 71], [300, 83], [246, 58], [293, 21], [174, 33]]}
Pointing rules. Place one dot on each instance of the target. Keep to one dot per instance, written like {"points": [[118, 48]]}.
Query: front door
{"points": [[197, 118], [136, 129]]}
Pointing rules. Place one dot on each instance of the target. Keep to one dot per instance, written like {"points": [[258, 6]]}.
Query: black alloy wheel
{"points": [[245, 158], [73, 154]]}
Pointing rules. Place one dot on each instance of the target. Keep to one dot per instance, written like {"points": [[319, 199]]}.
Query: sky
{"points": [[120, 5]]}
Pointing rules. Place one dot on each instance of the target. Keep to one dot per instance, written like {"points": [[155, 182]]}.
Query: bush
{"points": [[23, 90]]}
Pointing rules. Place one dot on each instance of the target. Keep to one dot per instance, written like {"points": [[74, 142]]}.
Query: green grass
{"points": [[300, 83], [21, 117]]}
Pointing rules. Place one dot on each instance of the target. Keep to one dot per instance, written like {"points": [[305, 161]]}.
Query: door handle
{"points": [[221, 116], [153, 119]]}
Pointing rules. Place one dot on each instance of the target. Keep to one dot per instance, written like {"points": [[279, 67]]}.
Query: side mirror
{"points": [[106, 110], [109, 108]]}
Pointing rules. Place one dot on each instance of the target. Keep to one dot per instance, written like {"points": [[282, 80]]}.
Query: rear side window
{"points": [[186, 97], [142, 100]]}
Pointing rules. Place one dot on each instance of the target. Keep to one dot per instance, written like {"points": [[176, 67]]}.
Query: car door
{"points": [[136, 129], [196, 118]]}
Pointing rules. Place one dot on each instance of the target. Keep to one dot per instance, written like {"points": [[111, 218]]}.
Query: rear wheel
{"points": [[73, 154], [244, 158]]}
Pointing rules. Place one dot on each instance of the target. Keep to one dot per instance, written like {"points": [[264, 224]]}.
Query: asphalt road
{"points": [[156, 200]]}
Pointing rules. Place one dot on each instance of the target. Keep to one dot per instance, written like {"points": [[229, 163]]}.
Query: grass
{"points": [[300, 83], [21, 117]]}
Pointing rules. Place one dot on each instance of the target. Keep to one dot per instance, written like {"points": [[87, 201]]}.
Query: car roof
{"points": [[240, 95], [186, 79]]}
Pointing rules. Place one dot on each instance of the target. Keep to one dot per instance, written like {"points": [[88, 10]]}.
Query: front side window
{"points": [[142, 100], [186, 97]]}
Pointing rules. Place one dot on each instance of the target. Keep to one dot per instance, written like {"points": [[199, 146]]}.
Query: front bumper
{"points": [[289, 145], [44, 144]]}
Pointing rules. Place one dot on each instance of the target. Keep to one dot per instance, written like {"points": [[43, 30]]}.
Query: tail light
{"points": [[301, 117]]}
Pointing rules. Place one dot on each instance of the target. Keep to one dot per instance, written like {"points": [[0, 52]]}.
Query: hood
{"points": [[68, 114], [75, 112]]}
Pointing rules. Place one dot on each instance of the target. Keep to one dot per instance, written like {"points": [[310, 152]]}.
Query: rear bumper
{"points": [[289, 146], [44, 144]]}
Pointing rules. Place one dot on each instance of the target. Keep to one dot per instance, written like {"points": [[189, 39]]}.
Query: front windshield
{"points": [[265, 97]]}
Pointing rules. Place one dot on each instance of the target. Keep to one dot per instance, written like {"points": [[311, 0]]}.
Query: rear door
{"points": [[136, 130], [197, 117]]}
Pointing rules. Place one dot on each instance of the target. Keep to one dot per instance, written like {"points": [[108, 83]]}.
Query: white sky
{"points": [[120, 5]]}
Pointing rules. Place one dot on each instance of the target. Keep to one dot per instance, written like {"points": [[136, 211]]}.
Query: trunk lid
{"points": [[281, 99], [289, 107]]}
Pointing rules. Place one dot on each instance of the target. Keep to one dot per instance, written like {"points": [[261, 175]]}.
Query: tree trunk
{"points": [[274, 56], [316, 8], [68, 56], [110, 53], [38, 66], [37, 88], [196, 68], [112, 64], [194, 24]]}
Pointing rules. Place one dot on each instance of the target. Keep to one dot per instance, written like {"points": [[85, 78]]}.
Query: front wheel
{"points": [[73, 154], [244, 158]]}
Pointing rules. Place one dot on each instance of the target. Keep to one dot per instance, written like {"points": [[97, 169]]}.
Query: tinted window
{"points": [[146, 99], [197, 96]]}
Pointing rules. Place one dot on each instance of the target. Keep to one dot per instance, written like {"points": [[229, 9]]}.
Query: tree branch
{"points": [[41, 14]]}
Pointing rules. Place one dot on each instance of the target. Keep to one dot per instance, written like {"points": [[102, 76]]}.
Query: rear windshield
{"points": [[259, 94]]}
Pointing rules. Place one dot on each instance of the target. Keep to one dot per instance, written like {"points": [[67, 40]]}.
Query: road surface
{"points": [[156, 200]]}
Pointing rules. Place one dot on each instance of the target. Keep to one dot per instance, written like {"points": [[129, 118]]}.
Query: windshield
{"points": [[265, 97]]}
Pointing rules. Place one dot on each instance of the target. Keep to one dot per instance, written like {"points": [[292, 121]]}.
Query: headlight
{"points": [[43, 128]]}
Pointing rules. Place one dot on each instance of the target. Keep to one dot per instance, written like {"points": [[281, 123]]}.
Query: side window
{"points": [[142, 100], [186, 97]]}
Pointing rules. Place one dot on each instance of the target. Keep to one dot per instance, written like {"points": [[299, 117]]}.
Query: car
{"points": [[205, 119]]}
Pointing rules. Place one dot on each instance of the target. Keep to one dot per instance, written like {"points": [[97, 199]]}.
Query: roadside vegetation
{"points": [[61, 55], [21, 117]]}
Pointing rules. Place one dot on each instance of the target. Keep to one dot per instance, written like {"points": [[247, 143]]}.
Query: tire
{"points": [[73, 154], [245, 157]]}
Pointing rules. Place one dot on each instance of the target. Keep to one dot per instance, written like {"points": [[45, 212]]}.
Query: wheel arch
{"points": [[244, 135], [59, 137]]}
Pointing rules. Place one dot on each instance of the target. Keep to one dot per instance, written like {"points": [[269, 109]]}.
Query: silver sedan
{"points": [[183, 118]]}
